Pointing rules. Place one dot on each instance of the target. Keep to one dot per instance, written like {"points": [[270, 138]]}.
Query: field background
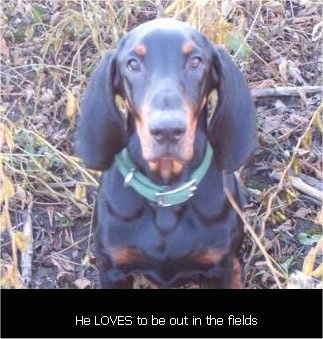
{"points": [[48, 50]]}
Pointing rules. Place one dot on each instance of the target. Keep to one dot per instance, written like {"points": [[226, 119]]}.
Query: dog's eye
{"points": [[134, 65], [195, 62]]}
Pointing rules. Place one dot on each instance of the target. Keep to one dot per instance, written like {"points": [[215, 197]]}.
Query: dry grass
{"points": [[49, 48]]}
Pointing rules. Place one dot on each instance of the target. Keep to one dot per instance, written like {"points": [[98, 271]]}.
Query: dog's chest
{"points": [[139, 236], [166, 219], [167, 245], [129, 220], [166, 232]]}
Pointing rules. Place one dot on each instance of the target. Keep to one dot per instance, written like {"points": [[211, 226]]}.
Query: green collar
{"points": [[161, 194]]}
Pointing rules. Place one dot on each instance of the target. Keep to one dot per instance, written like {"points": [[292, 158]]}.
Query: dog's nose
{"points": [[167, 130]]}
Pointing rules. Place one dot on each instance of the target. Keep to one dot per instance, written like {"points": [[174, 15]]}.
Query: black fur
{"points": [[194, 241]]}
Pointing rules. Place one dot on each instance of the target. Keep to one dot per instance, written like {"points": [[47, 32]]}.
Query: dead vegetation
{"points": [[49, 48]]}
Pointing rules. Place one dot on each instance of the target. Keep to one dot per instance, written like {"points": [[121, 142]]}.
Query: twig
{"points": [[27, 255], [276, 274], [300, 185], [64, 157], [284, 91], [250, 29], [280, 185]]}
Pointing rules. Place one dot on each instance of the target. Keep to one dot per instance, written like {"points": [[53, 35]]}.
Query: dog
{"points": [[161, 208]]}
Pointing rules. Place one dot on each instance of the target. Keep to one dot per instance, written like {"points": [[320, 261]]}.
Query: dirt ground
{"points": [[48, 50]]}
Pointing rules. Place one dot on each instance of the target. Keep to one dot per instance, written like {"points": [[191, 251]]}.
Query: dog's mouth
{"points": [[168, 169]]}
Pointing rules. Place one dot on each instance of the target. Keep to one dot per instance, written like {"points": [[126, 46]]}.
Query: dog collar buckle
{"points": [[129, 177], [177, 195]]}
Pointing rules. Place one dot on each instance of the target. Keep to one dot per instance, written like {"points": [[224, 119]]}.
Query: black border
{"points": [[52, 313]]}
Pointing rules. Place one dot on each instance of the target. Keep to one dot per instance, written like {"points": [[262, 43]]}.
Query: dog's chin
{"points": [[166, 169]]}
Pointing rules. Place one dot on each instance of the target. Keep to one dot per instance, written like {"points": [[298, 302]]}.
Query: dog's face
{"points": [[164, 92], [164, 70]]}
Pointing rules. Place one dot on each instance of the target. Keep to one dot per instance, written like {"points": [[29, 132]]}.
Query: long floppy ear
{"points": [[232, 129], [101, 131]]}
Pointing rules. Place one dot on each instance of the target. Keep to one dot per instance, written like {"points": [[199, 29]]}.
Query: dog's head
{"points": [[165, 70]]}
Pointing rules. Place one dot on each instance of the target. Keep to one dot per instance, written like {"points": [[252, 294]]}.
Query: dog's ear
{"points": [[232, 128], [101, 131]]}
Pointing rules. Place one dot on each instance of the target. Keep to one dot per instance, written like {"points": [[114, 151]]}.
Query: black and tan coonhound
{"points": [[161, 210]]}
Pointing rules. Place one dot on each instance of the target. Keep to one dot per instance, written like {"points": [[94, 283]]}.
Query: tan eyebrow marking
{"points": [[187, 47], [141, 49]]}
